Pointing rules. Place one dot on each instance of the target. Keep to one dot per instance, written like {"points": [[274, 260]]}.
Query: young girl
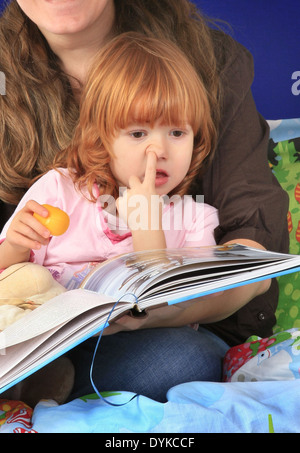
{"points": [[145, 129]]}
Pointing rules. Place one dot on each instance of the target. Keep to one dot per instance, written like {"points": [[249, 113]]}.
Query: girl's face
{"points": [[172, 145], [61, 17]]}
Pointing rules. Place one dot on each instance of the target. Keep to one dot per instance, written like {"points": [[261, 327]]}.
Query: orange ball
{"points": [[57, 221]]}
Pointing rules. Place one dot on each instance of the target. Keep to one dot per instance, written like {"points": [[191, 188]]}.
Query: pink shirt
{"points": [[93, 235]]}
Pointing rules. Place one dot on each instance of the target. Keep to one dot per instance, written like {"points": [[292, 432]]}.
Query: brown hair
{"points": [[136, 79], [39, 112]]}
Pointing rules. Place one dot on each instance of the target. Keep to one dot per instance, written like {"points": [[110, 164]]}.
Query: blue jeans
{"points": [[148, 362]]}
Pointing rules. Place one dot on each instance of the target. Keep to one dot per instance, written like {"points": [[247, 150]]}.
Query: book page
{"points": [[51, 314], [25, 357], [137, 272]]}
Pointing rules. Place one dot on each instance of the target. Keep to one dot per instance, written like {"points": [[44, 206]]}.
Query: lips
{"points": [[161, 177]]}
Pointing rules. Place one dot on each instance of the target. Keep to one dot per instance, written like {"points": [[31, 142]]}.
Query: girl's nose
{"points": [[159, 148]]}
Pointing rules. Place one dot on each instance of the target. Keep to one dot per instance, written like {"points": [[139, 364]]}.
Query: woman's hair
{"points": [[136, 79], [39, 112]]}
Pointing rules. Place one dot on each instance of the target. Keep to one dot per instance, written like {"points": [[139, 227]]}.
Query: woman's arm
{"points": [[203, 310], [215, 307], [207, 309]]}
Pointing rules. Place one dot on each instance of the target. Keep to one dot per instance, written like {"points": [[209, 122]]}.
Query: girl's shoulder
{"points": [[54, 187], [55, 180], [55, 175]]}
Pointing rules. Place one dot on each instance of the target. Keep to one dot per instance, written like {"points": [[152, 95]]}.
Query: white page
{"points": [[56, 311]]}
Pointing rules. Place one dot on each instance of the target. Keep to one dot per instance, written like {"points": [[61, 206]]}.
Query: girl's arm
{"points": [[141, 208], [24, 234]]}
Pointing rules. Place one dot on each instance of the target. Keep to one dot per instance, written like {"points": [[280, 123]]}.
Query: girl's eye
{"points": [[137, 134], [177, 133]]}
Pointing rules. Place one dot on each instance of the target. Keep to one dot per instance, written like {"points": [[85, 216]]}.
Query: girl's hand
{"points": [[25, 231], [139, 206]]}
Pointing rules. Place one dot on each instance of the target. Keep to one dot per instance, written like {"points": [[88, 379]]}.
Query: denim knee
{"points": [[149, 361]]}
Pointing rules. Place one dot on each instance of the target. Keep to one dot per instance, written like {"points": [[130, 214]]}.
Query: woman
{"points": [[47, 49]]}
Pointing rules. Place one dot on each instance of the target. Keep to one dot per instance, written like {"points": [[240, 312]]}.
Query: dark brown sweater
{"points": [[251, 203]]}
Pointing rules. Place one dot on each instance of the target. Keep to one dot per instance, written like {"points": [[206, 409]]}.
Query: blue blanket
{"points": [[197, 407]]}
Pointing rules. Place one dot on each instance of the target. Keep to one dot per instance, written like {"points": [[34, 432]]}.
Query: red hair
{"points": [[137, 79]]}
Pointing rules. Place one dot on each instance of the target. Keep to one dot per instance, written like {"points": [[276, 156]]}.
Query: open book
{"points": [[135, 283]]}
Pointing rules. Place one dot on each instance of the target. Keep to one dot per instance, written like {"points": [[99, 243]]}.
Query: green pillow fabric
{"points": [[284, 158]]}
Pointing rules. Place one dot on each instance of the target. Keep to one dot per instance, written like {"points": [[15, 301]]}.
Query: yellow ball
{"points": [[57, 221]]}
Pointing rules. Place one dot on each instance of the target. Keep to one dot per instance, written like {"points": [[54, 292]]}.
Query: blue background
{"points": [[270, 29]]}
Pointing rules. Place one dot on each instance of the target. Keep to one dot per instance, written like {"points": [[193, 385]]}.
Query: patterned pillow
{"points": [[276, 358], [284, 158]]}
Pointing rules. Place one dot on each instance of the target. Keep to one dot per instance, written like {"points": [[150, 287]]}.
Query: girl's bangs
{"points": [[148, 109], [158, 96]]}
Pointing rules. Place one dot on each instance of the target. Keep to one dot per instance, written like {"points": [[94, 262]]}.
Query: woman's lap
{"points": [[148, 362]]}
